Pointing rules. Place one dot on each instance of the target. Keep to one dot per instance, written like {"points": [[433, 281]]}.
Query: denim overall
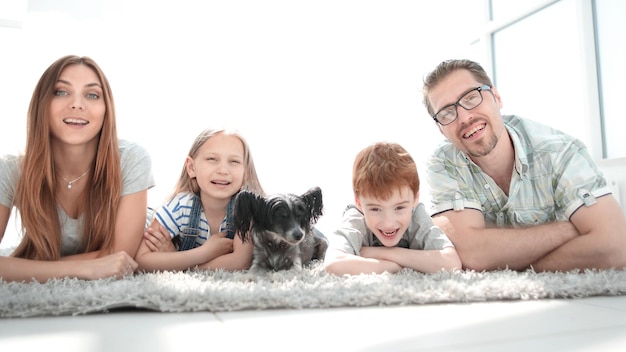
{"points": [[187, 239]]}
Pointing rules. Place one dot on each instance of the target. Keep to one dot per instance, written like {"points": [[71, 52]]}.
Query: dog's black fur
{"points": [[281, 228]]}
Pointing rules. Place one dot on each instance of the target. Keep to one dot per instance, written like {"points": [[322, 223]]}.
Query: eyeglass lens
{"points": [[470, 100]]}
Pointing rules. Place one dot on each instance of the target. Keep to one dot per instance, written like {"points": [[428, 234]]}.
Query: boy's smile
{"points": [[389, 219]]}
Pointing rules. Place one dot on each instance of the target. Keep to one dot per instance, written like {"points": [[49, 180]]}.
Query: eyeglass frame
{"points": [[458, 103]]}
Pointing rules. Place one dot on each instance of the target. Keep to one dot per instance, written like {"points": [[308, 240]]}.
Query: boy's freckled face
{"points": [[389, 219]]}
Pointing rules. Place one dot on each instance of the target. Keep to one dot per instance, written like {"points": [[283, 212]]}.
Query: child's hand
{"points": [[382, 255], [158, 239], [219, 244]]}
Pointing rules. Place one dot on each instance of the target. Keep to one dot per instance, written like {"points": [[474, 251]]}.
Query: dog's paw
{"points": [[250, 276]]}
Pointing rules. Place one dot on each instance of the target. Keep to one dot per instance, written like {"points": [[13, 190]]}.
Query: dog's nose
{"points": [[297, 235]]}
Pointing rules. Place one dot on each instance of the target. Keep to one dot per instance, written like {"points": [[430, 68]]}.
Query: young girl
{"points": [[79, 191], [193, 229]]}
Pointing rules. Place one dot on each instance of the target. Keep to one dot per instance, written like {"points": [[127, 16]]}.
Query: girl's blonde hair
{"points": [[250, 178], [36, 191]]}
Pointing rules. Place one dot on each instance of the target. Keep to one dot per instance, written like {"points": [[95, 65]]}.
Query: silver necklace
{"points": [[69, 183]]}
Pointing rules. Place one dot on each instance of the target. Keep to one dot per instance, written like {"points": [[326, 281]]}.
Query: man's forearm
{"points": [[513, 248]]}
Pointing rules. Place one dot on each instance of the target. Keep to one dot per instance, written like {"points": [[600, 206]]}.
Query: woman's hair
{"points": [[444, 69], [250, 178], [382, 168], [35, 195]]}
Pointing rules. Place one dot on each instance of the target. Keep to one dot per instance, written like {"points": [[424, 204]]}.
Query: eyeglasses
{"points": [[468, 101]]}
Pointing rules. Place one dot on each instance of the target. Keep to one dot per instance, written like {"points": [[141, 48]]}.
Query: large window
{"points": [[561, 62], [540, 71], [611, 33]]}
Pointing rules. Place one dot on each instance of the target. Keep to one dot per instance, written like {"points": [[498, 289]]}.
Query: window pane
{"points": [[540, 73], [612, 56]]}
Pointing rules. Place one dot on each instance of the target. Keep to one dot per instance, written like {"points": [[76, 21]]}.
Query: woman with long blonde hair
{"points": [[81, 193]]}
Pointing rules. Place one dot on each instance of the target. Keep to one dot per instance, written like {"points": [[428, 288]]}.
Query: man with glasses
{"points": [[511, 192]]}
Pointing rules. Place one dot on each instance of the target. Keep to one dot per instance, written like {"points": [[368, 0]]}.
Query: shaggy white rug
{"points": [[219, 291]]}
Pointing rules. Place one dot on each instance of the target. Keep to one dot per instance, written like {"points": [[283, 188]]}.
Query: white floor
{"points": [[590, 324]]}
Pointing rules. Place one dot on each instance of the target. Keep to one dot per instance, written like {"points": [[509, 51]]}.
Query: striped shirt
{"points": [[554, 175], [175, 214]]}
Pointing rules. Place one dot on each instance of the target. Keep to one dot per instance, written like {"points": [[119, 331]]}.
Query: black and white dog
{"points": [[281, 228]]}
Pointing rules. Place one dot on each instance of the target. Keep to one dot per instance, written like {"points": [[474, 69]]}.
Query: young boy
{"points": [[388, 228]]}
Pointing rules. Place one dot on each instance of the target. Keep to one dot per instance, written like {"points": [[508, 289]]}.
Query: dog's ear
{"points": [[244, 213], [313, 200]]}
